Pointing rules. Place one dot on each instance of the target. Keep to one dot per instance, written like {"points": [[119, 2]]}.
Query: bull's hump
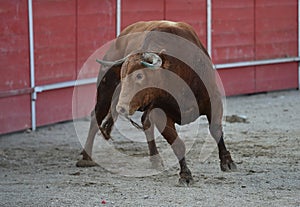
{"points": [[143, 26], [149, 25], [170, 23], [157, 23]]}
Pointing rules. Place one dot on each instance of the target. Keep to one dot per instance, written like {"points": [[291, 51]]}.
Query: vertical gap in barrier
{"points": [[32, 68], [76, 37], [165, 10], [118, 17], [77, 70], [209, 23], [254, 40], [298, 44]]}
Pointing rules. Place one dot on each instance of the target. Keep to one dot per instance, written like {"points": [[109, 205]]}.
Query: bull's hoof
{"points": [[105, 133], [86, 163], [157, 162], [186, 179], [227, 164], [228, 167], [186, 182]]}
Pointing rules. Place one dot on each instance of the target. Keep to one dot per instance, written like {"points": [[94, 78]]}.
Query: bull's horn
{"points": [[151, 60], [111, 63]]}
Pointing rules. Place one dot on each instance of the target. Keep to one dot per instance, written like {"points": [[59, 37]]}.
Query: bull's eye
{"points": [[139, 76]]}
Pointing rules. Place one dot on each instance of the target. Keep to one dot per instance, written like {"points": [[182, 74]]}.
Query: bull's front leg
{"points": [[97, 116], [170, 134], [106, 127], [155, 158], [178, 146]]}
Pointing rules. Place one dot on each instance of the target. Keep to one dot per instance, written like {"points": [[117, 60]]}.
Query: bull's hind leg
{"points": [[86, 160], [215, 128], [156, 160]]}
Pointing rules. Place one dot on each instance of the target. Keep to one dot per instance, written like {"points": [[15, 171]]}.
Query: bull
{"points": [[140, 72]]}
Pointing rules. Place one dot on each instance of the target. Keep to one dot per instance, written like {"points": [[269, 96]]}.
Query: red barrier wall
{"points": [[67, 32], [14, 67], [255, 30]]}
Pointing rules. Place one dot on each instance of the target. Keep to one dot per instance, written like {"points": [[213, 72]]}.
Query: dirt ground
{"points": [[38, 168]]}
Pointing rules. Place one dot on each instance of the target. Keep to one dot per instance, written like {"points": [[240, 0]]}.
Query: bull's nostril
{"points": [[121, 110]]}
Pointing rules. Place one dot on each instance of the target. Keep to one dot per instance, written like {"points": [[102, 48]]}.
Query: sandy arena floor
{"points": [[38, 168]]}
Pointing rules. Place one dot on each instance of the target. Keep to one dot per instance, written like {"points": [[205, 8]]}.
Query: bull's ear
{"points": [[162, 51], [148, 65], [151, 60]]}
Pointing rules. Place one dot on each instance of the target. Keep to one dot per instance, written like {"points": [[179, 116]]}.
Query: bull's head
{"points": [[137, 86]]}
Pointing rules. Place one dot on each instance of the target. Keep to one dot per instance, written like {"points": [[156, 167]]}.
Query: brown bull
{"points": [[159, 65]]}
